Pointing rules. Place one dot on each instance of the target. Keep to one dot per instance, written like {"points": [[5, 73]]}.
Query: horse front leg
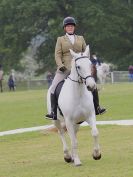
{"points": [[61, 131], [94, 131], [74, 144]]}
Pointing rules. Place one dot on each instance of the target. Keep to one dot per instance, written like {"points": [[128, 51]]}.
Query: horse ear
{"points": [[73, 53], [87, 51]]}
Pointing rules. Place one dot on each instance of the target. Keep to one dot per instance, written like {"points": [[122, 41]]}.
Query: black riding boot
{"points": [[98, 110], [53, 114]]}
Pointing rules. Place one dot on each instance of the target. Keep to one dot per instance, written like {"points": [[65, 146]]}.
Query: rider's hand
{"points": [[63, 69]]}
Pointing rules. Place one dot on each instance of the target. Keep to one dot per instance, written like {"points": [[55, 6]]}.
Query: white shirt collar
{"points": [[71, 38]]}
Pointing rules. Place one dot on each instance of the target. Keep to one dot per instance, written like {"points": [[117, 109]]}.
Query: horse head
{"points": [[81, 68]]}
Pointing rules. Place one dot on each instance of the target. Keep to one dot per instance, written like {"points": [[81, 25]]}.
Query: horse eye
{"points": [[78, 67]]}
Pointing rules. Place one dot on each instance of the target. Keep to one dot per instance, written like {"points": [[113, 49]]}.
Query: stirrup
{"points": [[100, 111], [49, 116]]}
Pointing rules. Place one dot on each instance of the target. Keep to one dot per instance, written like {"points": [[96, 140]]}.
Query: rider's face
{"points": [[69, 29]]}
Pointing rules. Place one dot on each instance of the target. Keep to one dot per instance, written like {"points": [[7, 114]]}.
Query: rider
{"points": [[63, 60], [95, 62]]}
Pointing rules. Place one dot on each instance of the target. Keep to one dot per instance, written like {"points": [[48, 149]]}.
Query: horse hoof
{"points": [[79, 164], [97, 157], [68, 160]]}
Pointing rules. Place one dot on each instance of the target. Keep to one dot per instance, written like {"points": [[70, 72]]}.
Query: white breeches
{"points": [[59, 76]]}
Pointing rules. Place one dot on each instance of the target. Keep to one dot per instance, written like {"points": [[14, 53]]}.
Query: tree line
{"points": [[107, 27]]}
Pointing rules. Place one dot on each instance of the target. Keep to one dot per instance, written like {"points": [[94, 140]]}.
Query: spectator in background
{"points": [[95, 62], [49, 78], [1, 78], [130, 69], [11, 81]]}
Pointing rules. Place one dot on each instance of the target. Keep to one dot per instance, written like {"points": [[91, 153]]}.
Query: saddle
{"points": [[58, 89], [57, 93]]}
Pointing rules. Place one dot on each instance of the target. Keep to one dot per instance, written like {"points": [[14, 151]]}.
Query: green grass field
{"points": [[27, 108], [39, 154], [118, 99], [22, 109]]}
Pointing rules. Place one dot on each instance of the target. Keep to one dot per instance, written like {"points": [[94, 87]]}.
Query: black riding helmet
{"points": [[69, 21]]}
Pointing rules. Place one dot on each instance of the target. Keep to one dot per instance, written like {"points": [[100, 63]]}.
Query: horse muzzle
{"points": [[90, 88]]}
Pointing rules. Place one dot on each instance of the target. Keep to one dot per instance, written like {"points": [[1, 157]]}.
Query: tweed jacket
{"points": [[62, 53]]}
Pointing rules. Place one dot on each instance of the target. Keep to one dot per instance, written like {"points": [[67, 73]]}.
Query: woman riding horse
{"points": [[63, 60]]}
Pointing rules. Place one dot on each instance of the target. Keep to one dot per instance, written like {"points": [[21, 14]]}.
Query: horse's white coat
{"points": [[76, 103], [103, 72]]}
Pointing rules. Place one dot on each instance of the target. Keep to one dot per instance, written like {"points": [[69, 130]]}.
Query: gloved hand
{"points": [[63, 69]]}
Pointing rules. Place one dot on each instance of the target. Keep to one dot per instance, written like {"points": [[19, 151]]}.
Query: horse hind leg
{"points": [[61, 131]]}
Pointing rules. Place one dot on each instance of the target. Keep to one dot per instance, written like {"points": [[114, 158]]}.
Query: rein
{"points": [[75, 80], [80, 57], [82, 78]]}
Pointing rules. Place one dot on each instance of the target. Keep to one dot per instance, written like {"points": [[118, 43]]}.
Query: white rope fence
{"points": [[47, 127]]}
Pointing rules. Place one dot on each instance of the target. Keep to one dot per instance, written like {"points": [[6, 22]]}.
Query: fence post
{"points": [[112, 77], [28, 84]]}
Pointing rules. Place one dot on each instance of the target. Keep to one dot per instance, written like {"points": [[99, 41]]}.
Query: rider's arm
{"points": [[58, 53], [99, 61], [83, 44]]}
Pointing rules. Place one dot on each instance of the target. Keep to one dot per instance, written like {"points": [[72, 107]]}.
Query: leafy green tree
{"points": [[106, 26]]}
